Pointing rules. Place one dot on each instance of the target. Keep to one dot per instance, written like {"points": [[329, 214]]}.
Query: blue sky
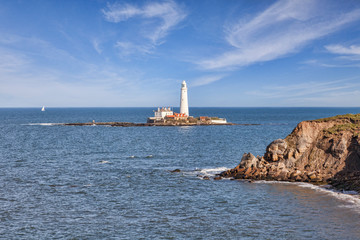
{"points": [[231, 53]]}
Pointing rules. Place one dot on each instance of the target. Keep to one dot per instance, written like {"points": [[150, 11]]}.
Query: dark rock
{"points": [[176, 170]]}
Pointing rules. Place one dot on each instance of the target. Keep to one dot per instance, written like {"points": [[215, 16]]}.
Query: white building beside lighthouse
{"points": [[184, 106], [164, 114], [166, 117]]}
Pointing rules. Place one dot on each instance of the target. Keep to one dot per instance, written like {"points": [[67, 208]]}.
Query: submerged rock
{"points": [[318, 151]]}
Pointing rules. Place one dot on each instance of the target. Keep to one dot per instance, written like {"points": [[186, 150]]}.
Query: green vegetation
{"points": [[354, 128], [347, 122], [355, 118], [208, 118], [192, 120], [215, 118]]}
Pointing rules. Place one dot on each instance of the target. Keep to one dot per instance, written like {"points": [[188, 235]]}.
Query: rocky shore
{"points": [[323, 151]]}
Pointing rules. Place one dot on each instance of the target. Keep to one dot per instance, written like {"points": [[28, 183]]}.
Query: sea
{"points": [[99, 182]]}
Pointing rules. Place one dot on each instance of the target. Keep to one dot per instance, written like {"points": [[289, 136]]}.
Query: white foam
{"points": [[210, 172], [103, 162], [205, 172], [42, 124], [349, 197]]}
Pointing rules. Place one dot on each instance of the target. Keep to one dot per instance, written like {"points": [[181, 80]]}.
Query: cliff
{"points": [[319, 151]]}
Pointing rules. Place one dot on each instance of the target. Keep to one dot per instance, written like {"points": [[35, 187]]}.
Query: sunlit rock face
{"points": [[323, 150]]}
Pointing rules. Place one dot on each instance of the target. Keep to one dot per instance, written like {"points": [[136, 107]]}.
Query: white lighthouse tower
{"points": [[184, 106]]}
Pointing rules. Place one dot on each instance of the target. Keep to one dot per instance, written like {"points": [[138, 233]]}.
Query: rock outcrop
{"points": [[319, 151]]}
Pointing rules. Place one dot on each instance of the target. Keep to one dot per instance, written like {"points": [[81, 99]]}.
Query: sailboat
{"points": [[43, 109]]}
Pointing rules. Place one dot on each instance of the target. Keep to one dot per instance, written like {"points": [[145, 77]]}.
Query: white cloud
{"points": [[308, 90], [10, 62], [28, 85], [344, 98], [128, 48], [33, 72], [283, 28], [169, 13], [315, 62], [348, 57], [206, 80], [118, 12], [339, 49], [340, 62], [96, 45]]}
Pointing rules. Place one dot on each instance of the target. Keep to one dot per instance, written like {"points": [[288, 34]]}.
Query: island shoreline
{"points": [[170, 124]]}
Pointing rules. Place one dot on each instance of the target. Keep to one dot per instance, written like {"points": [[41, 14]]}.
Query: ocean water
{"points": [[96, 182]]}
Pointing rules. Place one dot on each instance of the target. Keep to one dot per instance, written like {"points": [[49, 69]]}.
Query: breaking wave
{"points": [[351, 199], [205, 172], [42, 124]]}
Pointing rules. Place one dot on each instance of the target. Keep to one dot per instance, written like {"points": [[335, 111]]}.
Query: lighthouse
{"points": [[184, 106]]}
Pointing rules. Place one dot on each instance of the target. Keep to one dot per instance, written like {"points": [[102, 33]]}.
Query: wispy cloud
{"points": [[129, 48], [339, 62], [44, 74], [24, 84], [340, 49], [206, 80], [346, 57], [10, 62], [96, 45], [283, 28], [168, 13], [308, 89]]}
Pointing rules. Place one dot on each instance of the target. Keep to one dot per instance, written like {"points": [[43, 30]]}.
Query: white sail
{"points": [[43, 109]]}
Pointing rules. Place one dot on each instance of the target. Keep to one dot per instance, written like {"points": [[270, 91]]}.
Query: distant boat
{"points": [[43, 109]]}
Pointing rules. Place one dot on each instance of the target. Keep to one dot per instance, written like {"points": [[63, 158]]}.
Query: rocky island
{"points": [[323, 151], [165, 116], [189, 121]]}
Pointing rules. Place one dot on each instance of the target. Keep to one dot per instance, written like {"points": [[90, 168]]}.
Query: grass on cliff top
{"points": [[354, 118], [353, 128], [347, 122]]}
